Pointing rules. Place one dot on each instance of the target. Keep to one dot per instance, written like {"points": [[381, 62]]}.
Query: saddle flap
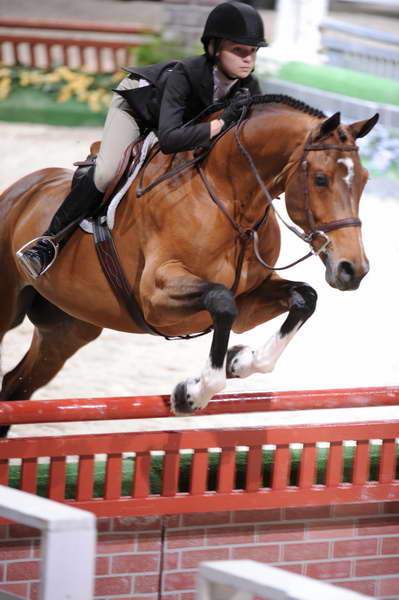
{"points": [[91, 158]]}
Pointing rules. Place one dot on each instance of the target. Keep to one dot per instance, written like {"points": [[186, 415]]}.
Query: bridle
{"points": [[331, 225], [245, 235], [315, 230]]}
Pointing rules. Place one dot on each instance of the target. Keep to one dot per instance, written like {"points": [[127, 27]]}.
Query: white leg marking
{"points": [[348, 163], [210, 382], [264, 359]]}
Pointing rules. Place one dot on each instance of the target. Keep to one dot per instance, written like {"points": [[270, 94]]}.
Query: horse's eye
{"points": [[321, 179]]}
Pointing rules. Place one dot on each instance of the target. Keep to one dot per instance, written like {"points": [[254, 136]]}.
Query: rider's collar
{"points": [[222, 83]]}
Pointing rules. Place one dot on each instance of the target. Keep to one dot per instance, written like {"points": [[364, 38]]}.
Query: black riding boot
{"points": [[80, 202]]}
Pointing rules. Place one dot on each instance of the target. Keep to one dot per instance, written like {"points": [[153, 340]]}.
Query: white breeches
{"points": [[120, 130]]}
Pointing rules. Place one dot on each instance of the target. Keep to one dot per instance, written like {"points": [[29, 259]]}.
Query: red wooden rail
{"points": [[145, 407], [75, 25], [138, 450], [99, 55], [227, 496]]}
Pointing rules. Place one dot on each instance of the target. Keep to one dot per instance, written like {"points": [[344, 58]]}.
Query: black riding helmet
{"points": [[236, 22]]}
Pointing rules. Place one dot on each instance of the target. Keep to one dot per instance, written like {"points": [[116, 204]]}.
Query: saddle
{"points": [[126, 165]]}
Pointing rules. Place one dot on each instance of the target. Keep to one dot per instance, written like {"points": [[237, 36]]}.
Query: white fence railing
{"points": [[381, 3], [360, 48], [68, 543], [243, 579]]}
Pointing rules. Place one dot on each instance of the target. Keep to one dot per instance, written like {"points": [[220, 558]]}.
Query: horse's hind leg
{"points": [[57, 336], [272, 298], [14, 305]]}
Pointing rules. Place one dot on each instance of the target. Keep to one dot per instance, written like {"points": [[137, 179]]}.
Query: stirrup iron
{"points": [[26, 264]]}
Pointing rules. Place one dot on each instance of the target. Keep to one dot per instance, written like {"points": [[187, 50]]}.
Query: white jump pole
{"points": [[68, 543], [242, 579]]}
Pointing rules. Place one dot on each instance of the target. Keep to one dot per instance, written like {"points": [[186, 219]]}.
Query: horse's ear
{"points": [[327, 126], [362, 128]]}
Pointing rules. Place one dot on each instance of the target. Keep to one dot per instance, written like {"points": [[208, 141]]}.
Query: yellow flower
{"points": [[83, 95], [5, 87], [94, 100], [107, 99], [80, 84], [24, 78], [65, 94], [65, 73], [4, 72], [118, 76], [35, 78], [51, 77]]}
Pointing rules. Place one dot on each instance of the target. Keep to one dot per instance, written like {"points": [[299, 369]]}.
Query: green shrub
{"points": [[160, 50]]}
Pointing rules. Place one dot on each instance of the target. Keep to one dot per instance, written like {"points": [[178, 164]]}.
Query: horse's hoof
{"points": [[181, 400], [239, 362]]}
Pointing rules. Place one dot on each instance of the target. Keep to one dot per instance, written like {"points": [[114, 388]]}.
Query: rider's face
{"points": [[237, 60]]}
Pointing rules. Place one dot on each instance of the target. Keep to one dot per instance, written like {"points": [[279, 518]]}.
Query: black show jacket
{"points": [[177, 93]]}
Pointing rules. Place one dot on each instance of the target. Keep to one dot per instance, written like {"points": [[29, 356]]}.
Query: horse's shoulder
{"points": [[52, 173]]}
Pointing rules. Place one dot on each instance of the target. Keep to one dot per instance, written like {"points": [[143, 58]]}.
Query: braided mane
{"points": [[264, 99], [289, 101]]}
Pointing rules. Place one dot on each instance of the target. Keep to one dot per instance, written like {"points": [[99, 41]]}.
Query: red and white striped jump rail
{"points": [[36, 49]]}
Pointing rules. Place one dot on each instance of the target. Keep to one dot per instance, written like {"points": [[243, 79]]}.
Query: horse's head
{"points": [[322, 197]]}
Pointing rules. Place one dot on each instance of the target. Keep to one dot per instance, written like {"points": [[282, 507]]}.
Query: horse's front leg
{"points": [[176, 296], [195, 393], [272, 298]]}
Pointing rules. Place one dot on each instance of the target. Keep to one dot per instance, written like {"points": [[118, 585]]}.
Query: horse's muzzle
{"points": [[345, 275]]}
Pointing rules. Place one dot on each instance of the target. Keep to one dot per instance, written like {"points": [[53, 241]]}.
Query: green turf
{"points": [[184, 475], [35, 106], [342, 81]]}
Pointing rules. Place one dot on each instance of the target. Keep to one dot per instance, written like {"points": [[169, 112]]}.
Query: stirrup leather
{"points": [[25, 262]]}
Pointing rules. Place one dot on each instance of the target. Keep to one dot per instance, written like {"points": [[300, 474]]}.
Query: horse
{"points": [[199, 249]]}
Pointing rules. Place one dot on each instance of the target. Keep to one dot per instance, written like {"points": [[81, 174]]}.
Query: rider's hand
{"points": [[233, 111]]}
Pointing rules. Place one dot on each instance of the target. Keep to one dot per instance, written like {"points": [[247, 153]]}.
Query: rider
{"points": [[165, 97]]}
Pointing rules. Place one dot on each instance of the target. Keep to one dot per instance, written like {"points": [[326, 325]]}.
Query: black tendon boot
{"points": [[39, 254]]}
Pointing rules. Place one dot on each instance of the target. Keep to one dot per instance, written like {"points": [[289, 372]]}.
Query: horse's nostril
{"points": [[346, 271]]}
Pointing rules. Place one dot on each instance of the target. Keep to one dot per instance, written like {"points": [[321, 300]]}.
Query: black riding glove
{"points": [[233, 111]]}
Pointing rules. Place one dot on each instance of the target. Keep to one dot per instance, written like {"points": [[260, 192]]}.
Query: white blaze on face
{"points": [[348, 162]]}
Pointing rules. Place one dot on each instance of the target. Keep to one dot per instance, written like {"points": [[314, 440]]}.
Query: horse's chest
{"points": [[239, 269], [251, 275]]}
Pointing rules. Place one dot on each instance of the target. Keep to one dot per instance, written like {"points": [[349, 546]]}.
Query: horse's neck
{"points": [[270, 148]]}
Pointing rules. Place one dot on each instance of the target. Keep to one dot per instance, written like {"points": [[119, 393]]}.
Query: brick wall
{"points": [[354, 546]]}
